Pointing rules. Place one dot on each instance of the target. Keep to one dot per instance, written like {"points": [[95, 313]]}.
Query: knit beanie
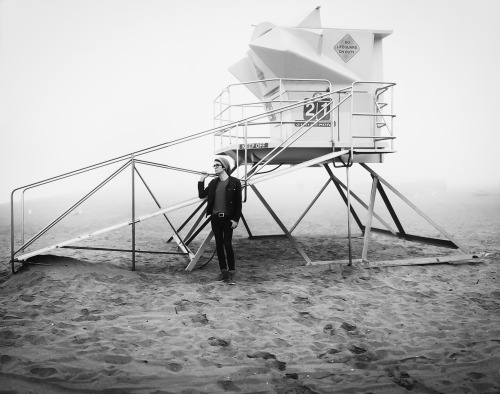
{"points": [[224, 162]]}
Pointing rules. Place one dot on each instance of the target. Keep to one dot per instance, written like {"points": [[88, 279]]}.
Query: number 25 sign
{"points": [[318, 110]]}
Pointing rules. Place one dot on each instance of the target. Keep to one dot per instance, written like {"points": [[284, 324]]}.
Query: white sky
{"points": [[84, 81]]}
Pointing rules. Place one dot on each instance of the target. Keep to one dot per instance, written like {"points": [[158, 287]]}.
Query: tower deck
{"points": [[304, 119]]}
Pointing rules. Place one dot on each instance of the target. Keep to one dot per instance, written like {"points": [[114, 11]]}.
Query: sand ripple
{"points": [[285, 328]]}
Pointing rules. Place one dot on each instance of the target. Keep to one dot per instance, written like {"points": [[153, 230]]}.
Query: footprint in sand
{"points": [[329, 330], [228, 385], [264, 355], [476, 375], [5, 359], [362, 357], [184, 305], [26, 298], [306, 319], [213, 341], [335, 356], [174, 367], [200, 318], [271, 360], [350, 328], [402, 378], [117, 359], [8, 335], [111, 317], [302, 300], [43, 372], [281, 342]]}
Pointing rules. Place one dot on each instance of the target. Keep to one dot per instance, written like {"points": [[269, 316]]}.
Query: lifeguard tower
{"points": [[325, 103], [308, 96], [308, 80]]}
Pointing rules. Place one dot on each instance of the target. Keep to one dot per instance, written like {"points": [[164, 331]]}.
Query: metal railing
{"points": [[131, 160], [388, 118], [344, 95], [239, 134]]}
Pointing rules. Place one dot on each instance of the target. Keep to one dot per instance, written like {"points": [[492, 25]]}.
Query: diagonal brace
{"points": [[282, 226]]}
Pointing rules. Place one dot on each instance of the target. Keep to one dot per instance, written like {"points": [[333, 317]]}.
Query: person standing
{"points": [[224, 208]]}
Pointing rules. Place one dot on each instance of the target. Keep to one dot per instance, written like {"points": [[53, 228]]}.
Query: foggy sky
{"points": [[84, 81]]}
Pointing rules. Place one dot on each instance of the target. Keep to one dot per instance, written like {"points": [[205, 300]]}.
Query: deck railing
{"points": [[237, 130]]}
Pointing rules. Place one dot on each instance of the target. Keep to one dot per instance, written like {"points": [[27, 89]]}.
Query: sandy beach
{"points": [[70, 325], [339, 119]]}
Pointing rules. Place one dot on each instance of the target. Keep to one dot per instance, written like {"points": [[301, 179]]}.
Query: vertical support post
{"points": [[281, 112], [12, 233], [22, 219], [230, 107], [338, 184], [237, 160], [332, 114], [351, 145], [392, 118], [132, 165], [246, 160], [349, 214], [370, 218]]}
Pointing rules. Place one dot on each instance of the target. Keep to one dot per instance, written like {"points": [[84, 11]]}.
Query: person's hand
{"points": [[234, 224], [203, 176]]}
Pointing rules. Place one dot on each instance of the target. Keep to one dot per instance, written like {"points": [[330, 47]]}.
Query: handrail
{"points": [[129, 156], [349, 91], [278, 79], [266, 114], [222, 130], [62, 216], [166, 144], [227, 90], [382, 89]]}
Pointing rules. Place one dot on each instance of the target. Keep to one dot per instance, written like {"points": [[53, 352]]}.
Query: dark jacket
{"points": [[233, 196]]}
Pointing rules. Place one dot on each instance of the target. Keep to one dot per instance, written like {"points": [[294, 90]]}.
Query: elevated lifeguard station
{"points": [[308, 78], [325, 103], [308, 96]]}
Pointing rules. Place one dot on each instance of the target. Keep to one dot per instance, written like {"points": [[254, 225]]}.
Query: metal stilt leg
{"points": [[132, 165], [368, 226], [349, 215]]}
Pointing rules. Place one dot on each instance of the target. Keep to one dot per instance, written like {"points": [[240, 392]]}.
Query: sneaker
{"points": [[223, 276], [232, 278]]}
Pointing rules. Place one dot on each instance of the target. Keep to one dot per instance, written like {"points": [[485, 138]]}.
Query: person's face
{"points": [[218, 168]]}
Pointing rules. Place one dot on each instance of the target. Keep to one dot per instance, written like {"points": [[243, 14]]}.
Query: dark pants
{"points": [[223, 233]]}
